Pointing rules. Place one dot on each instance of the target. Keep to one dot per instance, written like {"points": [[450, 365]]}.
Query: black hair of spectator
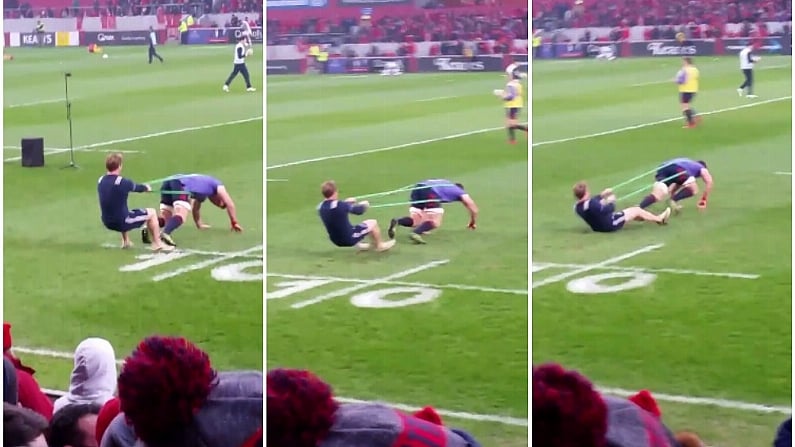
{"points": [[21, 426], [10, 382], [64, 429]]}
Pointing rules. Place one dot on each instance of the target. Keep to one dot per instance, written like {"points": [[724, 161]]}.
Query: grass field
{"points": [[716, 324], [450, 328], [61, 284]]}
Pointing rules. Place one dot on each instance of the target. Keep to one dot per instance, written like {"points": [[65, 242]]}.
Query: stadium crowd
{"points": [[166, 395], [122, 8], [429, 25], [600, 13]]}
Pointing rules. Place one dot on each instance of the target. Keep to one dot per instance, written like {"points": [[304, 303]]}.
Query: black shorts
{"points": [[672, 175], [135, 219], [686, 97], [424, 198], [512, 112], [168, 198], [616, 223]]}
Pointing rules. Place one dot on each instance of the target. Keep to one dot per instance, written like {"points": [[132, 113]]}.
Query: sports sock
{"points": [[683, 194], [689, 115], [424, 227], [173, 224], [520, 127], [647, 201], [161, 222], [511, 133], [406, 222]]}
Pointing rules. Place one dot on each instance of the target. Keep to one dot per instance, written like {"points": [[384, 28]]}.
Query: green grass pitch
{"points": [[61, 283], [447, 322], [699, 310]]}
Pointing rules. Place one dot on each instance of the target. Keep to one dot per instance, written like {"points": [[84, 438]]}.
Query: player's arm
{"points": [[131, 186], [229, 205], [708, 182], [354, 207], [472, 207], [510, 93], [196, 206]]}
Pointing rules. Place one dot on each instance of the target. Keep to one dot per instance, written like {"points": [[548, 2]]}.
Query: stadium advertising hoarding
{"points": [[234, 34], [657, 48], [290, 4], [770, 45], [44, 39], [361, 65], [111, 38], [283, 66]]}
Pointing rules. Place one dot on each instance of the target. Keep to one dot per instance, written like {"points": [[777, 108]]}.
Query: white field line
{"points": [[587, 268], [537, 267], [147, 136], [687, 400], [58, 150], [403, 283], [278, 180], [36, 103], [373, 282], [436, 98], [655, 123], [207, 263], [669, 81], [782, 173], [238, 254]]}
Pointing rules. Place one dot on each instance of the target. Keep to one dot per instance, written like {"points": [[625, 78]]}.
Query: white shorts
{"points": [[179, 203], [438, 211]]}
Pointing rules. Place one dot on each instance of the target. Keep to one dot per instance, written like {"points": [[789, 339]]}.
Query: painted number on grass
{"points": [[388, 298], [594, 284], [231, 268]]}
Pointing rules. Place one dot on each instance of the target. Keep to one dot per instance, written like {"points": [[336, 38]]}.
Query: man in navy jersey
{"points": [[113, 190], [600, 214], [334, 214], [241, 50], [426, 212]]}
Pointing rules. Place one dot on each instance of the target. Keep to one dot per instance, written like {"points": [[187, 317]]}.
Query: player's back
{"points": [[113, 191], [201, 184], [691, 166], [599, 217], [334, 214], [445, 190]]}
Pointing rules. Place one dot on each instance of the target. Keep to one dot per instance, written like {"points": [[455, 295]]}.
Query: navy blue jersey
{"points": [[599, 217], [334, 214], [113, 191]]}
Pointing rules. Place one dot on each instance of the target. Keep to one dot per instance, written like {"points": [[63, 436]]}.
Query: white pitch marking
{"points": [[205, 264], [641, 84], [587, 268], [278, 180], [373, 282], [653, 270], [687, 400], [403, 283], [147, 136], [655, 123], [59, 150], [437, 98], [35, 103], [782, 173], [196, 252]]}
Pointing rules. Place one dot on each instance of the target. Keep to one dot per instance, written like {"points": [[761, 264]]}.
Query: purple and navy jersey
{"points": [[445, 190], [334, 215], [692, 167], [113, 191], [599, 217], [200, 186]]}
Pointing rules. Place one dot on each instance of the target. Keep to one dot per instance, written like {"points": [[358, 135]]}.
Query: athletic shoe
{"points": [[391, 231], [386, 245], [167, 239], [665, 216], [145, 237], [740, 92], [226, 88], [363, 246], [251, 89], [751, 96], [417, 238]]}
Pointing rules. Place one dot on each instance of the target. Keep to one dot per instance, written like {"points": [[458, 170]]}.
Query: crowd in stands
{"points": [[611, 13], [430, 25], [122, 8], [166, 395]]}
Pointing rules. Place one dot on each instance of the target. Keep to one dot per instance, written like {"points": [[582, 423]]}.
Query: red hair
{"points": [[162, 384], [567, 410], [300, 409]]}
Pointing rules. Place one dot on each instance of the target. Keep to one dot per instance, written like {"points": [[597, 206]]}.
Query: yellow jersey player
{"points": [[513, 101], [687, 79]]}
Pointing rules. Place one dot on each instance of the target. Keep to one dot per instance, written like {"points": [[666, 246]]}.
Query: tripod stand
{"points": [[72, 163]]}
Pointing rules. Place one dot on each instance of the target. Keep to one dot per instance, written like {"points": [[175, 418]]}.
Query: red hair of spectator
{"points": [[300, 409], [162, 385], [567, 410], [6, 337]]}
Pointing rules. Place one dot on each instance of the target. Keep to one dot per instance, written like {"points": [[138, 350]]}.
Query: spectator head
{"points": [[94, 374], [106, 415], [23, 427], [10, 382], [300, 409], [567, 410], [162, 385], [74, 426]]}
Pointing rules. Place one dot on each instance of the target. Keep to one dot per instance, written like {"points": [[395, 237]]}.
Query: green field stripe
{"points": [[656, 123]]}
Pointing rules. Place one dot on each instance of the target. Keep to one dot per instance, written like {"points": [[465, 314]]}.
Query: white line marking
{"points": [[278, 180], [586, 268], [547, 265], [782, 173], [194, 252], [59, 150], [687, 400], [151, 135], [403, 283], [36, 103], [205, 264], [641, 84], [373, 282], [437, 98], [655, 123]]}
